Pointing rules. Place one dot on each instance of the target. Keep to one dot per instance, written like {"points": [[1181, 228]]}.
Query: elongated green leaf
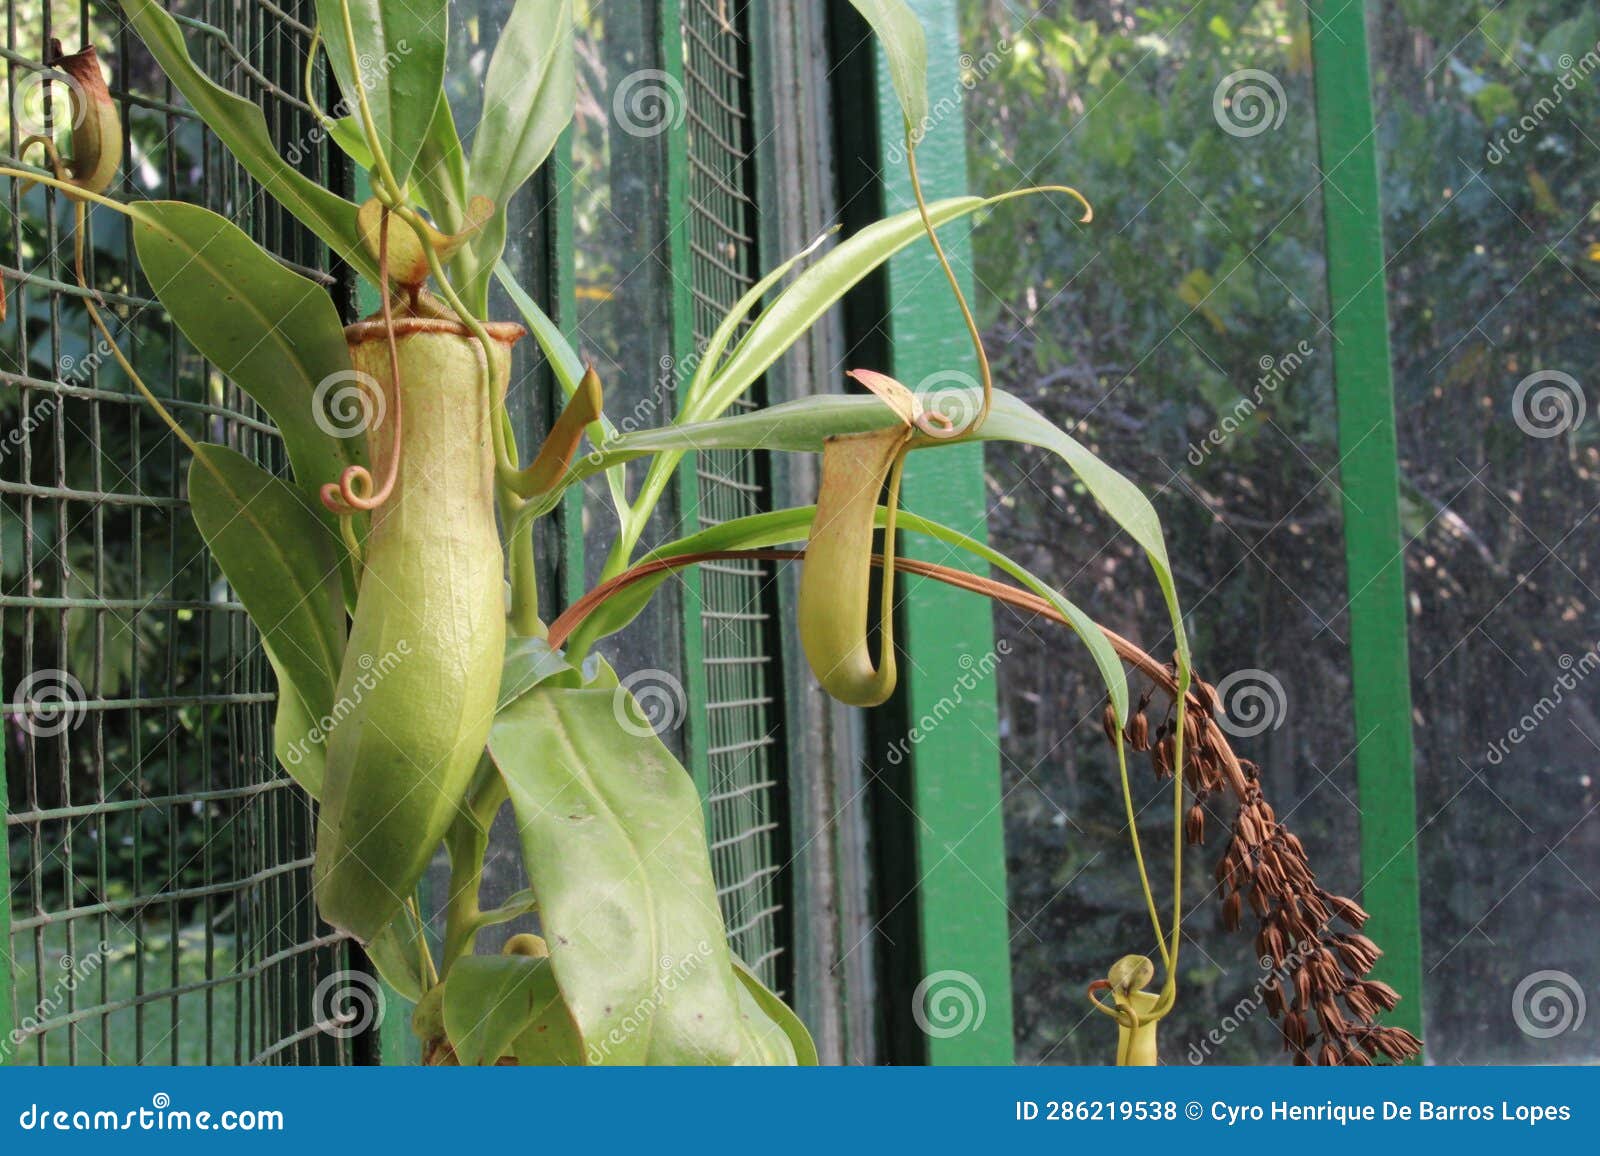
{"points": [[400, 50], [441, 174], [274, 332], [565, 364], [803, 1049], [791, 526], [906, 46], [614, 844], [491, 1001], [283, 562], [397, 955], [765, 1042], [242, 127], [817, 289], [529, 96]]}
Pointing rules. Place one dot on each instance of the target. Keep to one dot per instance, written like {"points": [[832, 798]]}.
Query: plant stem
{"points": [[986, 376]]}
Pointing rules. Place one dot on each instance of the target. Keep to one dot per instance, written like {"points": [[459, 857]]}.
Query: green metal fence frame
{"points": [[1380, 664]]}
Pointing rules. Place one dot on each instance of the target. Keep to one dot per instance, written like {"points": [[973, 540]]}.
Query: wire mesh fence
{"points": [[745, 797], [159, 862]]}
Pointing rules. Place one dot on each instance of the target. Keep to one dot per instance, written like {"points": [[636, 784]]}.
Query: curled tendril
{"points": [[355, 491]]}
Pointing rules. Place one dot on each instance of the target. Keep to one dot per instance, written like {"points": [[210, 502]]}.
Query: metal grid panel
{"points": [[745, 797], [159, 860]]}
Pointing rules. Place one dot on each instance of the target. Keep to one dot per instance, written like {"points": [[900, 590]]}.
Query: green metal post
{"points": [[1374, 549], [956, 790]]}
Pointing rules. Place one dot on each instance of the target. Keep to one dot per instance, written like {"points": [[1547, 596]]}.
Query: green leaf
{"points": [[529, 663], [614, 843], [803, 426], [565, 364], [786, 527], [529, 96], [441, 174], [802, 1048], [275, 333], [818, 289], [492, 1001], [283, 563], [397, 955], [400, 49], [906, 45], [242, 127]]}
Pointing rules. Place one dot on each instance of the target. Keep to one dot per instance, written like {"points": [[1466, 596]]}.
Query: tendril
{"points": [[354, 492]]}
